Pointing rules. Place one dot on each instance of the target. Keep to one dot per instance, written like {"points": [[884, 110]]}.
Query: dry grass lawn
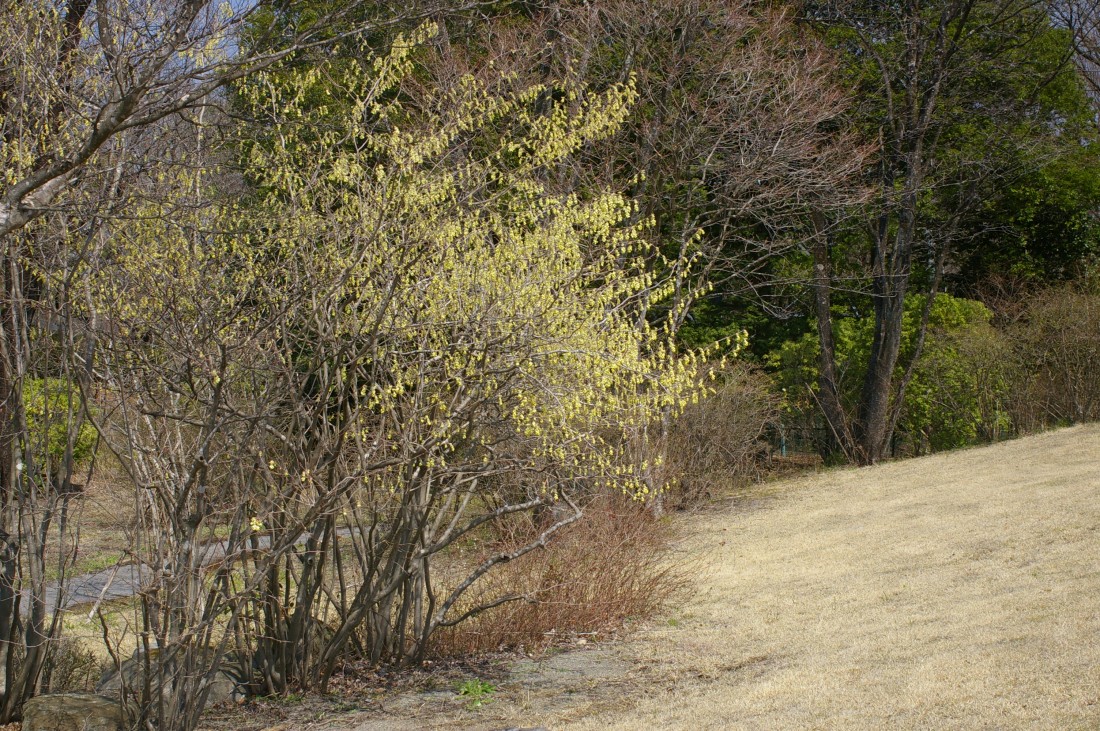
{"points": [[958, 591], [955, 591]]}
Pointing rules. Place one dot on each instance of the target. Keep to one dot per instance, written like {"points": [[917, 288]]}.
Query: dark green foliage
{"points": [[1043, 228]]}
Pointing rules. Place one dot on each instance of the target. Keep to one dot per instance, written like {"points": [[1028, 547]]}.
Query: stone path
{"points": [[118, 582], [123, 581]]}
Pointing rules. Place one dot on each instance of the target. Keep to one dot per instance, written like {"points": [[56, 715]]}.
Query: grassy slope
{"points": [[955, 591]]}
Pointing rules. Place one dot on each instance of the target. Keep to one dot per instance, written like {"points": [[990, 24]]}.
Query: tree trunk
{"points": [[890, 272], [828, 381], [875, 431]]}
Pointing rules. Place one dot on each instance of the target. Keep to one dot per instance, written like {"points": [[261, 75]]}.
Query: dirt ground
{"points": [[954, 591]]}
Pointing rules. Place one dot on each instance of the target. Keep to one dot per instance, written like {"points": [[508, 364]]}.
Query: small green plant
{"points": [[477, 693]]}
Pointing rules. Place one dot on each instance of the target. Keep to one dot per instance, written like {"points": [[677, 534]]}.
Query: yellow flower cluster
{"points": [[472, 304]]}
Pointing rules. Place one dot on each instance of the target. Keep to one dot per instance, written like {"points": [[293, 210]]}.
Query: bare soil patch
{"points": [[952, 591]]}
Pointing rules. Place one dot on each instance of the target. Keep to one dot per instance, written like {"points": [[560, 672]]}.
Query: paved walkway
{"points": [[123, 581]]}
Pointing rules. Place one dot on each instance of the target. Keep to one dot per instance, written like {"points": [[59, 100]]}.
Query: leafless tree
{"points": [[739, 132], [1082, 19]]}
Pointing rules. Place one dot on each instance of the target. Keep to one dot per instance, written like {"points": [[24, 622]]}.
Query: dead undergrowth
{"points": [[607, 567]]}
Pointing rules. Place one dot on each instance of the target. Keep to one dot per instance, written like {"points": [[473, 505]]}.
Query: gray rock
{"points": [[224, 686], [73, 712]]}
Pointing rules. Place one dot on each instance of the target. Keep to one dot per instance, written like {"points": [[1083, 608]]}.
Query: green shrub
{"points": [[958, 394], [53, 408], [960, 389]]}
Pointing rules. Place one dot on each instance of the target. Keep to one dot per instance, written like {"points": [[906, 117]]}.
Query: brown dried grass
{"points": [[951, 591], [604, 569]]}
